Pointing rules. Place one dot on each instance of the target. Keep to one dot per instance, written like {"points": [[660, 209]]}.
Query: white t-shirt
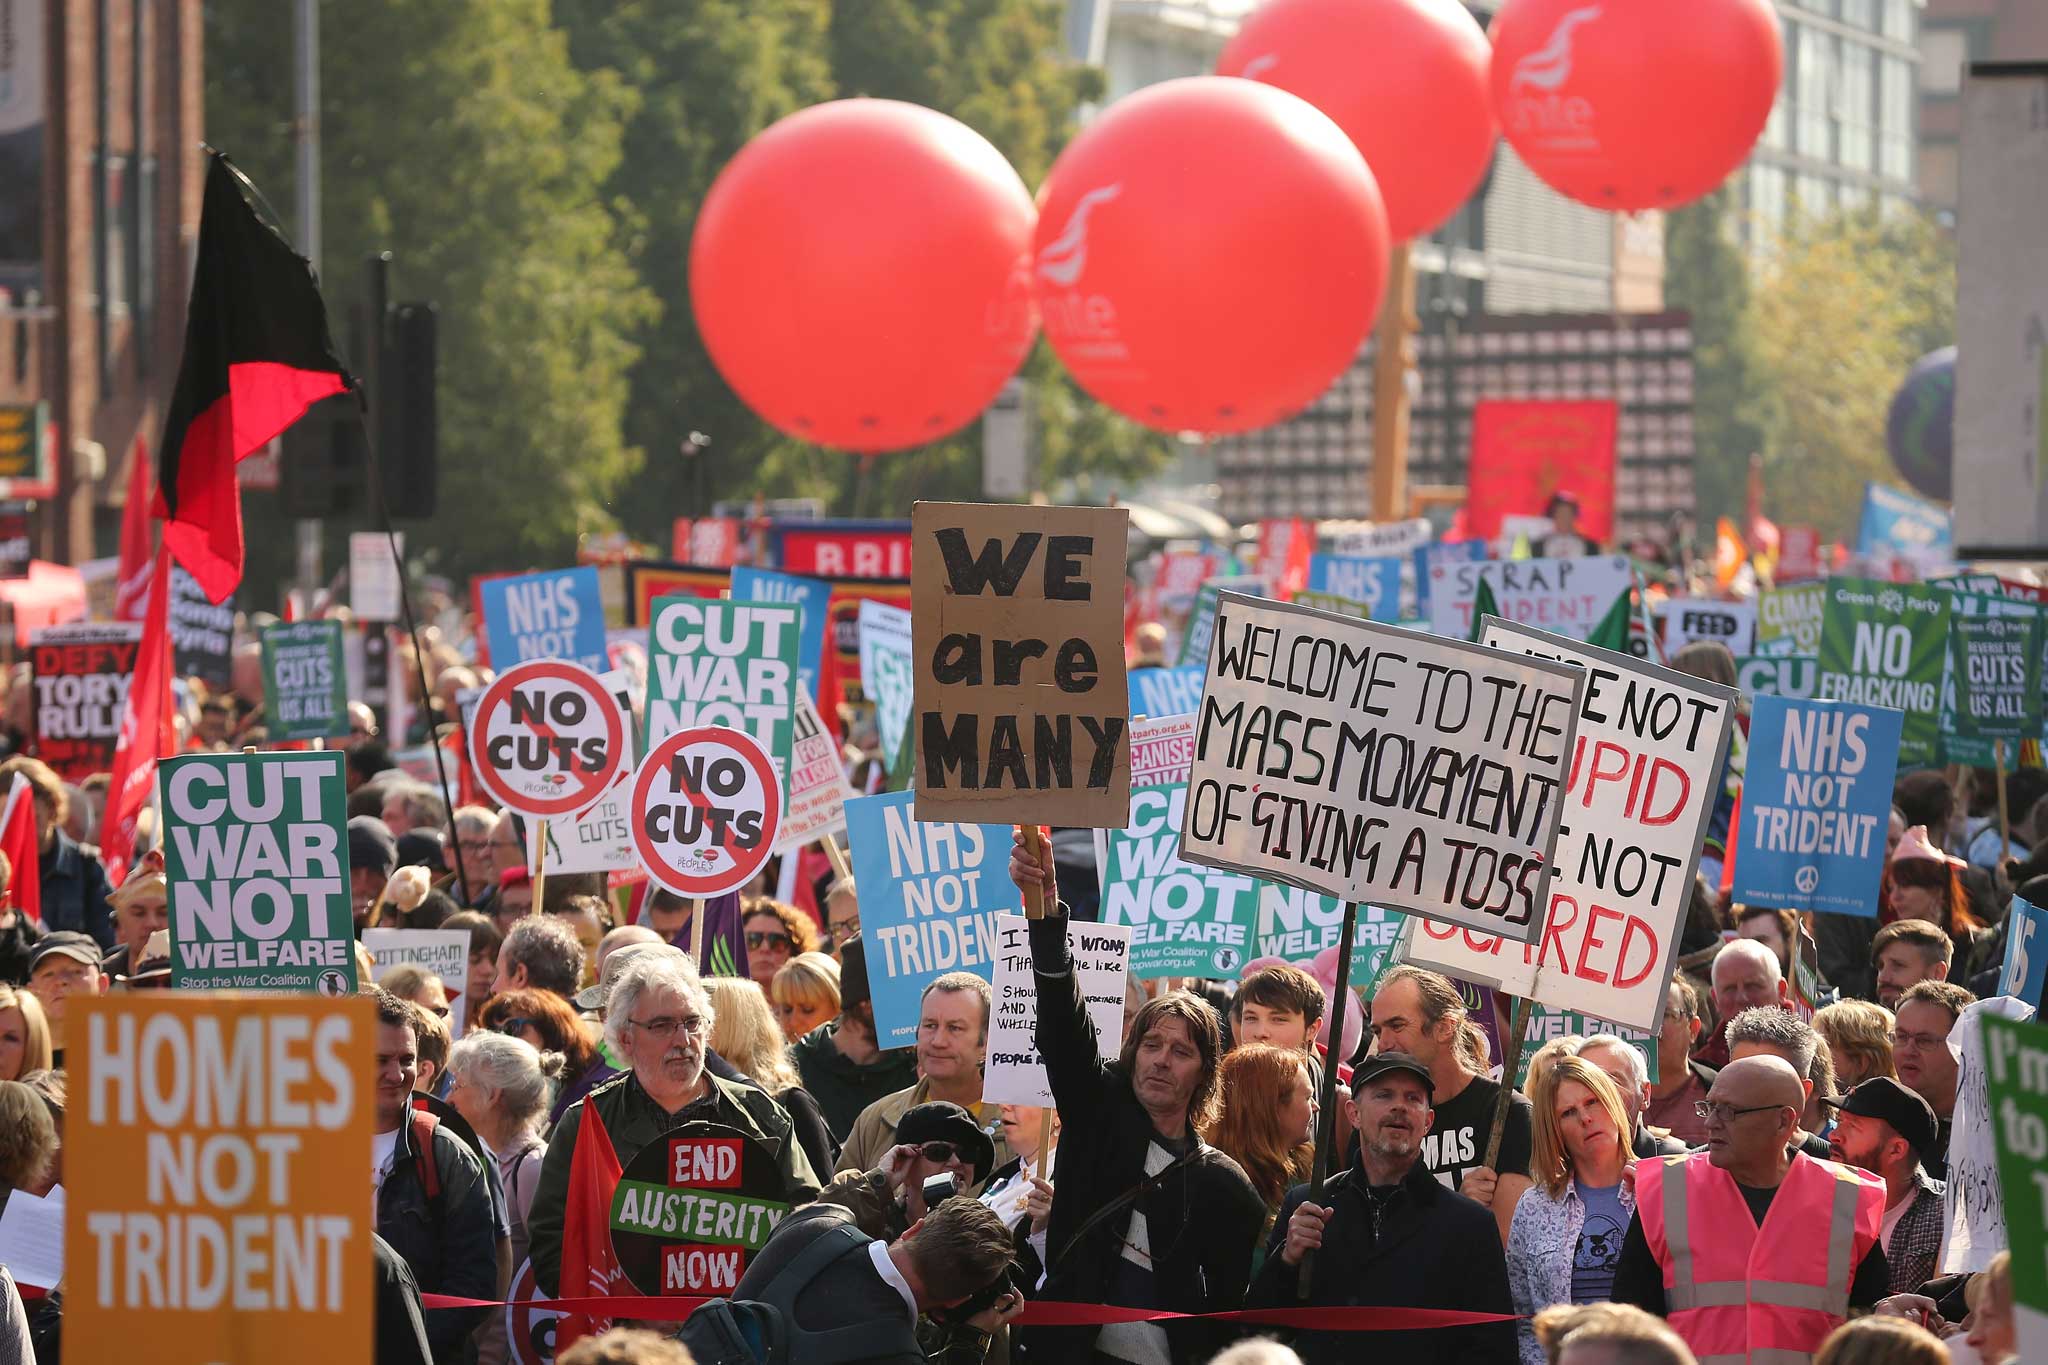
{"points": [[383, 1154]]}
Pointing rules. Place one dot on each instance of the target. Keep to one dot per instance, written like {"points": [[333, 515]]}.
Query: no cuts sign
{"points": [[548, 738], [706, 808]]}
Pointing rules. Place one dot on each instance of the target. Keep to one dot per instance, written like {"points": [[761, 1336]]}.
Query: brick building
{"points": [[100, 180]]}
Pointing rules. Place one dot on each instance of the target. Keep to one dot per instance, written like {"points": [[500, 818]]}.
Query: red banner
{"points": [[1285, 547], [838, 550], [649, 579], [1798, 553], [1524, 450]]}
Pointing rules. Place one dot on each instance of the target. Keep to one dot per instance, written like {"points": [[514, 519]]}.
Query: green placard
{"points": [[305, 682], [2016, 1073], [1788, 618], [1995, 663], [1331, 602], [1784, 675], [712, 662], [1547, 1024], [1886, 644], [256, 857]]}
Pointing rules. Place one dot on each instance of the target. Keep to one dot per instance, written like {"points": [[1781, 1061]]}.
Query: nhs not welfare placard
{"points": [[929, 895], [1646, 764], [554, 615], [256, 858], [1815, 801], [1380, 765]]}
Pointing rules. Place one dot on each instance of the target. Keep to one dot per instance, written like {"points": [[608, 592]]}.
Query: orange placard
{"points": [[220, 1206]]}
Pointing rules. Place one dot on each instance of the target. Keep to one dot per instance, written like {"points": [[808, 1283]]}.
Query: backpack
{"points": [[764, 1331]]}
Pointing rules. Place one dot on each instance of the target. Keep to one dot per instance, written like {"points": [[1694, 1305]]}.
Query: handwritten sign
{"points": [[1379, 765], [1021, 710], [1015, 1072], [1566, 596]]}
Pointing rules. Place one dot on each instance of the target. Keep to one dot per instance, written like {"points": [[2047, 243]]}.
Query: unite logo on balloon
{"points": [[1087, 320], [1536, 106]]}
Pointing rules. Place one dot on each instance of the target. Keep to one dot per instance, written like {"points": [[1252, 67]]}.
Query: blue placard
{"points": [[2026, 953], [1159, 692], [813, 596], [1902, 523], [1429, 556], [558, 614], [1372, 579], [1815, 803], [929, 895]]}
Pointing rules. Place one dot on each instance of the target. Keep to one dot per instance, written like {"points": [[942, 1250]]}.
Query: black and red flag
{"points": [[257, 355]]}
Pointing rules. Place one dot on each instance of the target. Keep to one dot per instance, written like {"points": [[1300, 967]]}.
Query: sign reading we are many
{"points": [[1021, 710]]}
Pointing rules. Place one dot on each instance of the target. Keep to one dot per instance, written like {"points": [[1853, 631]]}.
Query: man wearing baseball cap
{"points": [[372, 858], [63, 964], [1387, 1234], [1885, 1128], [937, 1137]]}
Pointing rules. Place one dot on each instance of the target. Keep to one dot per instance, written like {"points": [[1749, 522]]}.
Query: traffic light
{"points": [[325, 464]]}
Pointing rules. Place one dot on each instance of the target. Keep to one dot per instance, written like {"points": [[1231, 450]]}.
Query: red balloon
{"points": [[1405, 78], [1634, 104], [861, 274], [1210, 255]]}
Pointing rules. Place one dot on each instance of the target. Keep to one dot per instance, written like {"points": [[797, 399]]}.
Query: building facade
{"points": [[100, 186], [1954, 33]]}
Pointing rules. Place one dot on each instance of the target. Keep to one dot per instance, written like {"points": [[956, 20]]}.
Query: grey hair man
{"points": [[542, 953], [1768, 1031]]}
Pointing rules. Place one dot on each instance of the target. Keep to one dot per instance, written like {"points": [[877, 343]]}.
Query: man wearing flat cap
{"points": [[1386, 1234], [933, 1138], [1885, 1128]]}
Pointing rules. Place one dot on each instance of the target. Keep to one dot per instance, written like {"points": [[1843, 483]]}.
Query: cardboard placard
{"points": [[1015, 1070], [1386, 538], [558, 614], [1380, 765], [1994, 669], [374, 586], [228, 1216], [2024, 972], [80, 675], [693, 1207], [1547, 1025], [1974, 1207], [817, 783], [547, 738], [1566, 596], [1021, 710], [443, 952], [1815, 799], [1886, 644], [1646, 767], [731, 664], [1161, 749], [929, 894], [886, 675], [202, 632], [1687, 619], [1201, 623], [1787, 675], [256, 858], [305, 681]]}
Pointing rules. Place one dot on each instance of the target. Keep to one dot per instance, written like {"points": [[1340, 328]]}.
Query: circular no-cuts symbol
{"points": [[1807, 880], [706, 808], [547, 739]]}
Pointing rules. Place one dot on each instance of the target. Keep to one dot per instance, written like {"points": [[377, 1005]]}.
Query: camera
{"points": [[939, 1188], [1012, 1277]]}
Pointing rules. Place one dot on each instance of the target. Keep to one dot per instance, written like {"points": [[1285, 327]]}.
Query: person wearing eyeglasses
{"points": [[1927, 1013], [936, 1138], [1750, 1247], [658, 1020]]}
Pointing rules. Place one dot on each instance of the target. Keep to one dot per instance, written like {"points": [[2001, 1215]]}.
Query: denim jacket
{"points": [[1542, 1242]]}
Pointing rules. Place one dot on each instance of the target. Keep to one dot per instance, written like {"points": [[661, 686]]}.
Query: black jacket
{"points": [[450, 1241], [1436, 1249], [75, 891], [1202, 1216], [848, 1292]]}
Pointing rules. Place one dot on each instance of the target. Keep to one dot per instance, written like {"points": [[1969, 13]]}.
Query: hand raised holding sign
{"points": [[1031, 868]]}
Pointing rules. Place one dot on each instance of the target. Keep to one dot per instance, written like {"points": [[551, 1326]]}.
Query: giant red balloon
{"points": [[1405, 78], [1210, 255], [1634, 104], [861, 274]]}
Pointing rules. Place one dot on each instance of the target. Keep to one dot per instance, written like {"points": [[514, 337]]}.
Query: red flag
{"points": [[589, 1265], [131, 582], [257, 355], [147, 732], [24, 851]]}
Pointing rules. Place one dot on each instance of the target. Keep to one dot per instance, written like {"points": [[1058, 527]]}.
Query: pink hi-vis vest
{"points": [[1743, 1295]]}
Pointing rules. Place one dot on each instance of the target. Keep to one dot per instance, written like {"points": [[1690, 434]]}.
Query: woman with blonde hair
{"points": [[745, 1033], [24, 1034], [1859, 1038], [1267, 1120], [1992, 1330], [806, 993], [1884, 1341], [1566, 1238]]}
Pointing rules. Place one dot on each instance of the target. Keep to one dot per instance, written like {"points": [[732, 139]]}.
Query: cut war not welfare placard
{"points": [[731, 664], [929, 895], [1381, 766], [256, 859], [1022, 708]]}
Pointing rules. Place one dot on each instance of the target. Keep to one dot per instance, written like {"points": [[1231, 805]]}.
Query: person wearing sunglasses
{"points": [[658, 1020], [932, 1139], [775, 933], [1739, 1246]]}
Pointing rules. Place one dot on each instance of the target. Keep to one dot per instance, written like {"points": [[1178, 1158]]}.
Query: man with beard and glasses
{"points": [[1386, 1233]]}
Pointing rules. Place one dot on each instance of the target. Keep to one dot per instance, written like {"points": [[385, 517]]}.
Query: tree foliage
{"points": [[460, 136], [1705, 274]]}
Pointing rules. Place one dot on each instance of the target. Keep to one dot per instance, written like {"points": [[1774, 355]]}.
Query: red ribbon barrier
{"points": [[1037, 1313]]}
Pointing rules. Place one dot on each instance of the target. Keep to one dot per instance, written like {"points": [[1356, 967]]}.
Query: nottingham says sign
{"points": [[1022, 710], [1380, 765], [256, 858]]}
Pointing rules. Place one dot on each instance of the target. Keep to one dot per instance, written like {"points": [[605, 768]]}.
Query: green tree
{"points": [[1844, 304], [1704, 273], [460, 136]]}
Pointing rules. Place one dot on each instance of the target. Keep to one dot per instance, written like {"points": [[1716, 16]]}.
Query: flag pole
{"points": [[1326, 1118]]}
